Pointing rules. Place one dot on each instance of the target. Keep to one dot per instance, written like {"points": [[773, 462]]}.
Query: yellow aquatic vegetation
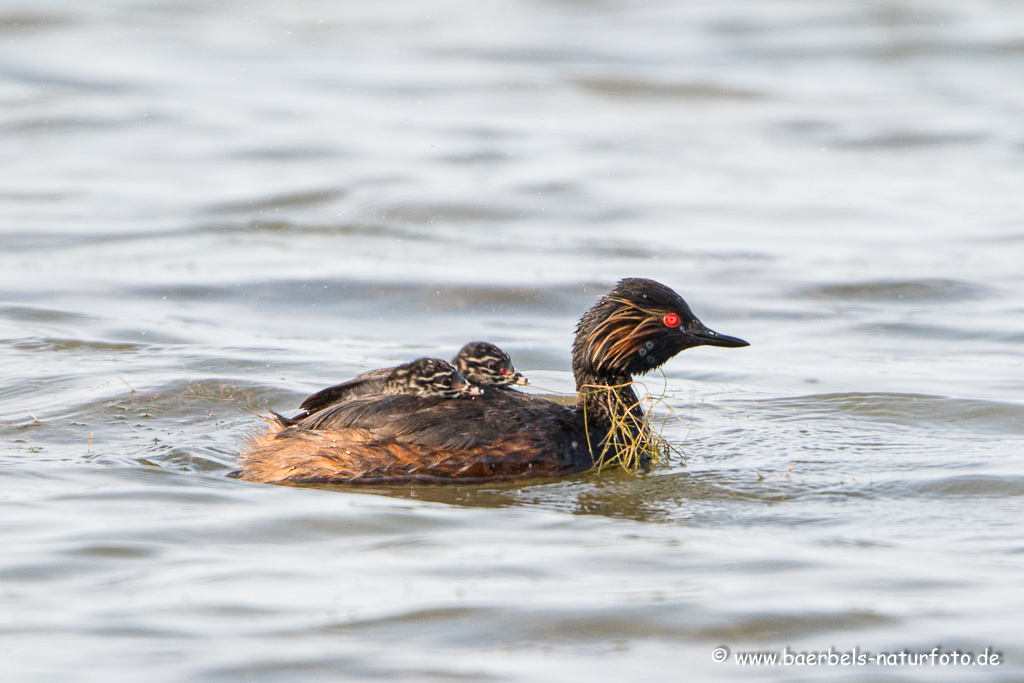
{"points": [[632, 441]]}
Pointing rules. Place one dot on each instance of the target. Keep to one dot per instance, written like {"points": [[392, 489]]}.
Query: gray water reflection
{"points": [[214, 209]]}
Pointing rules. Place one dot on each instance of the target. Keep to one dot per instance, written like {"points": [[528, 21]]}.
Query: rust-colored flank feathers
{"points": [[357, 456], [347, 437]]}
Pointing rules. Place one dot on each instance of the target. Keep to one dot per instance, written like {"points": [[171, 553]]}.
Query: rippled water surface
{"points": [[208, 209]]}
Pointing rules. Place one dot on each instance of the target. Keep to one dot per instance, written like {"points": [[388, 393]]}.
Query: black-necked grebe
{"points": [[633, 329]]}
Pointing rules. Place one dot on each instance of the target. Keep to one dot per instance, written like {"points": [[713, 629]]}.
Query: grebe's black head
{"points": [[486, 364], [427, 377], [635, 328]]}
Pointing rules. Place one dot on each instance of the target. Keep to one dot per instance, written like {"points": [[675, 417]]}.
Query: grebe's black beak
{"points": [[706, 337]]}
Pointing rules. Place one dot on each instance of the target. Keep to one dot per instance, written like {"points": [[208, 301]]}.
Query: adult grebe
{"points": [[633, 329]]}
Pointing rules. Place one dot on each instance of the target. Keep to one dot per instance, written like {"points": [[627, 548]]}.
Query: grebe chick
{"points": [[482, 364], [500, 435], [485, 364], [423, 377]]}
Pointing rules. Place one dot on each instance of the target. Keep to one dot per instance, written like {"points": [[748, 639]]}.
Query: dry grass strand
{"points": [[631, 442]]}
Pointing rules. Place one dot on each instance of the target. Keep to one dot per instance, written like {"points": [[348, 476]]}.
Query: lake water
{"points": [[212, 208]]}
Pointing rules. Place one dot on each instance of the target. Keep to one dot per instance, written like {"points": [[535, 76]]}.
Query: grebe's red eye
{"points": [[671, 319]]}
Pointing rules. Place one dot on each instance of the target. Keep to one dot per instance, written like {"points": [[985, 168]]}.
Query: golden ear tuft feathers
{"points": [[622, 333]]}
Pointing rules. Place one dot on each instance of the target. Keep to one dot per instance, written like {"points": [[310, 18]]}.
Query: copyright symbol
{"points": [[720, 653]]}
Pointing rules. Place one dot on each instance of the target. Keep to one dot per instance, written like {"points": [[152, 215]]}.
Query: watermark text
{"points": [[937, 656]]}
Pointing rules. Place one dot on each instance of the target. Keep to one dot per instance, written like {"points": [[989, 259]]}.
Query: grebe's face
{"points": [[640, 325], [674, 331], [486, 364]]}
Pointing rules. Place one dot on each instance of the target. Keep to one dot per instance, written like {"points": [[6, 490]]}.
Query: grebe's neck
{"points": [[602, 352], [611, 410]]}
